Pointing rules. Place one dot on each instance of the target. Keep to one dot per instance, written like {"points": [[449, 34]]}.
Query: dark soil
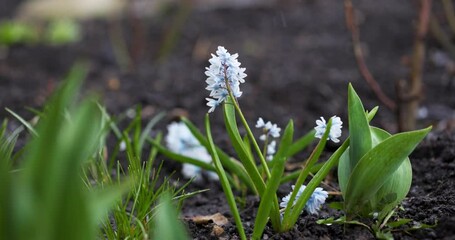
{"points": [[299, 61]]}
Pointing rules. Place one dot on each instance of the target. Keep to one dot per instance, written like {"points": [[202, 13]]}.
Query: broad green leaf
{"points": [[394, 189], [377, 135], [378, 165], [237, 142], [167, 225], [6, 201], [359, 129], [273, 183], [52, 201]]}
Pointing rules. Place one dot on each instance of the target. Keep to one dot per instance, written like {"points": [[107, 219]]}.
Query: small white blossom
{"points": [[122, 146], [180, 140], [190, 170], [224, 68], [275, 131], [313, 204], [260, 123], [271, 150], [268, 129], [335, 129]]}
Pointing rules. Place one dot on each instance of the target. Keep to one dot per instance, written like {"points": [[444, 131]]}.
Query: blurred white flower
{"points": [[313, 204], [180, 140], [335, 129], [268, 129], [224, 68], [271, 150]]}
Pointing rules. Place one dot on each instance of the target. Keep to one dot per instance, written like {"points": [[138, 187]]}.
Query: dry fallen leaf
{"points": [[217, 218], [217, 231]]}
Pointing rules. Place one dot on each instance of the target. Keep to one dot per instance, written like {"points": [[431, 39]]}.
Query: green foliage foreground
{"points": [[47, 191]]}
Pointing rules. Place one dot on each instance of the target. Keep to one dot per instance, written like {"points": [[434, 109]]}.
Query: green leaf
{"points": [[272, 186], [300, 203], [377, 135], [378, 165], [29, 127], [336, 205], [148, 128], [51, 200], [224, 181], [181, 158], [341, 220], [315, 181], [103, 199], [231, 164], [6, 200], [301, 143], [167, 226], [399, 222], [242, 152], [359, 129]]}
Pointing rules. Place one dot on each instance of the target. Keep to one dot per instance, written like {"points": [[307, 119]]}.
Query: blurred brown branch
{"points": [[364, 71], [410, 92]]}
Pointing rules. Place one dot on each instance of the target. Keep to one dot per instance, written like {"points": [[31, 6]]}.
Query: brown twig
{"points": [[450, 14], [410, 92], [441, 36], [363, 69]]}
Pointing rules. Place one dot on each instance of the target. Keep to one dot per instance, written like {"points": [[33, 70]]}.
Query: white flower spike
{"points": [[314, 203], [335, 129], [224, 68]]}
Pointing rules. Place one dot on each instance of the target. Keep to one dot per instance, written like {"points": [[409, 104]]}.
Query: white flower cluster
{"points": [[224, 68], [180, 140], [268, 129], [335, 129], [313, 204]]}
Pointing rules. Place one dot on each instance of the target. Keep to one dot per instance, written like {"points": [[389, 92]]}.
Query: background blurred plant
{"points": [[45, 196], [59, 186], [56, 32]]}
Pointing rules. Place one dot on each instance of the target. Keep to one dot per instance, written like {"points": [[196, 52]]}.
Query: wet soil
{"points": [[299, 61]]}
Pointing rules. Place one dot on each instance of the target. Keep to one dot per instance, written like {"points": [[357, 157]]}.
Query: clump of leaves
{"points": [[45, 196], [374, 172]]}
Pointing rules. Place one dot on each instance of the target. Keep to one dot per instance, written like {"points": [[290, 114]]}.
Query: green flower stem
{"points": [[224, 181], [249, 133], [306, 169]]}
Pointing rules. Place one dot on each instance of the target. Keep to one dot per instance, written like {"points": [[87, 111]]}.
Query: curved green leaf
{"points": [[242, 152], [358, 128], [378, 165]]}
